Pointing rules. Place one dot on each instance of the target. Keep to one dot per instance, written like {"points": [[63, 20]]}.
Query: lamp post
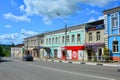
{"points": [[65, 32]]}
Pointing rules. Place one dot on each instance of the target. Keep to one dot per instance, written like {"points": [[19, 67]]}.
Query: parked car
{"points": [[27, 58]]}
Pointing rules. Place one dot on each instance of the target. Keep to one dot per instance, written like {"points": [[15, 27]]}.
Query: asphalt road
{"points": [[12, 69]]}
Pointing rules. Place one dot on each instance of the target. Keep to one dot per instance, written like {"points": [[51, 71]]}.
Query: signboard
{"points": [[74, 55]]}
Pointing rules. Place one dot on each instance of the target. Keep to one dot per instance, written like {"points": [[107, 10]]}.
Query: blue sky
{"points": [[23, 18]]}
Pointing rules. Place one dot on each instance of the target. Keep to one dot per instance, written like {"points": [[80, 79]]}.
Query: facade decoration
{"points": [[94, 41], [112, 31]]}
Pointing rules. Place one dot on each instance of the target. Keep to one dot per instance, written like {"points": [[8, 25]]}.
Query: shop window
{"points": [[115, 46], [90, 36], [97, 36]]}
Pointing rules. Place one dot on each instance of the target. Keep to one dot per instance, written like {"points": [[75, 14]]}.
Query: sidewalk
{"points": [[114, 64]]}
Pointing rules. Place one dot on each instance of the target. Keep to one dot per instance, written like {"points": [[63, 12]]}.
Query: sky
{"points": [[24, 18]]}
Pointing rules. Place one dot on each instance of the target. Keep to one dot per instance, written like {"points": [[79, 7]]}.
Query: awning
{"points": [[93, 44], [40, 47]]}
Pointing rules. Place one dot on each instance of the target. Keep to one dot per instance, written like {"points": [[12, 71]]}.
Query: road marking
{"points": [[75, 73]]}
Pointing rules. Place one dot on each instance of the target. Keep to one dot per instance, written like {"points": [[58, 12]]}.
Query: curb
{"points": [[83, 63]]}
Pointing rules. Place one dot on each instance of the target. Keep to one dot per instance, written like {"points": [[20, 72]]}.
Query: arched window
{"points": [[115, 46]]}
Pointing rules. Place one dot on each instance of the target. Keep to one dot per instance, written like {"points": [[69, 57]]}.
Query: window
{"points": [[78, 37], [67, 38], [42, 41], [97, 36], [115, 46], [114, 20], [63, 38], [56, 40], [90, 36], [73, 38], [59, 39], [52, 40], [49, 40]]}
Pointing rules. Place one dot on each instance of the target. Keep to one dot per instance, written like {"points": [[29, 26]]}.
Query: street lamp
{"points": [[65, 32]]}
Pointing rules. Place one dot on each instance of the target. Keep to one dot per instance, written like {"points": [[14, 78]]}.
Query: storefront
{"points": [[72, 52], [94, 51]]}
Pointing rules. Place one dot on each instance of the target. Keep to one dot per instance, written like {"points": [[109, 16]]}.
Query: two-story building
{"points": [[31, 45], [94, 40], [112, 31], [69, 45]]}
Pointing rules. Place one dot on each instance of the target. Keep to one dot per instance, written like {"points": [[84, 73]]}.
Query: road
{"points": [[12, 69]]}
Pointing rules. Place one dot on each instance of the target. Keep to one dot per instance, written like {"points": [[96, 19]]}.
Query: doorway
{"points": [[89, 52]]}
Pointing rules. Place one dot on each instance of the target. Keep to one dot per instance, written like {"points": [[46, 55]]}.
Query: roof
{"points": [[76, 27], [116, 9], [19, 45]]}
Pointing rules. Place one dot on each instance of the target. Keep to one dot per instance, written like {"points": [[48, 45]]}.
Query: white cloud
{"points": [[94, 12], [21, 8], [91, 19], [100, 3], [48, 8], [88, 11], [8, 26], [16, 37], [28, 33], [100, 17], [16, 18]]}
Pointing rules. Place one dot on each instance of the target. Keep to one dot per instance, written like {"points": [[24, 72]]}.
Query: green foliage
{"points": [[12, 45], [4, 50], [1, 51], [106, 55]]}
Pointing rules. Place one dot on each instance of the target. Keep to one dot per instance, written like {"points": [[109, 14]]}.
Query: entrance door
{"points": [[99, 53], [89, 55], [55, 53], [63, 55]]}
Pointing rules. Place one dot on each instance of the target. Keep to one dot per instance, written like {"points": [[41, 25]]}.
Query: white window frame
{"points": [[116, 46], [98, 36], [113, 16], [90, 37], [78, 38]]}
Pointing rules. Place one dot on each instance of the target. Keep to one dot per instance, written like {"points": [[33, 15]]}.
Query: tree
{"points": [[106, 54], [12, 45], [1, 51], [4, 52]]}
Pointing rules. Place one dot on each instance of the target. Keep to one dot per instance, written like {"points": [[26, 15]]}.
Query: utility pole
{"points": [[65, 33]]}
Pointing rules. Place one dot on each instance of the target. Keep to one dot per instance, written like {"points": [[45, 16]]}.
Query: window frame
{"points": [[90, 37], [73, 38], [115, 17], [115, 47], [78, 38], [98, 36]]}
